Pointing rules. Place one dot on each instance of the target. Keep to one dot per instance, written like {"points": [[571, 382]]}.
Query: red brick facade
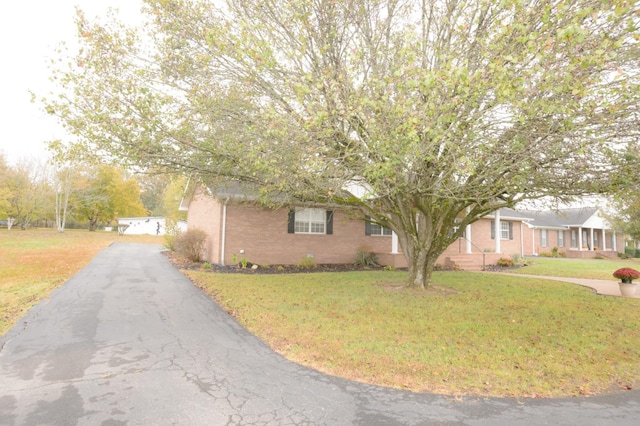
{"points": [[261, 236]]}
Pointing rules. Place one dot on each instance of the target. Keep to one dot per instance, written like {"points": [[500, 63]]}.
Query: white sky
{"points": [[30, 30]]}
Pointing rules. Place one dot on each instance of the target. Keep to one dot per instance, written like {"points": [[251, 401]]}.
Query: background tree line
{"points": [[61, 194]]}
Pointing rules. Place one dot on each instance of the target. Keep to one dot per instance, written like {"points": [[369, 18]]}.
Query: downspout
{"points": [[224, 230], [498, 231], [521, 240]]}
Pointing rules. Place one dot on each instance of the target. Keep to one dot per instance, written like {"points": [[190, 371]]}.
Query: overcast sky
{"points": [[30, 30]]}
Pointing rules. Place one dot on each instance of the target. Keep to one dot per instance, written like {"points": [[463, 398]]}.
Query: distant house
{"points": [[577, 232], [151, 225]]}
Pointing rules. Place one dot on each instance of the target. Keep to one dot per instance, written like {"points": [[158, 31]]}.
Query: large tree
{"points": [[101, 195], [424, 115]]}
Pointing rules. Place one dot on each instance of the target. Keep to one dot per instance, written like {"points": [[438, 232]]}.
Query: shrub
{"points": [[516, 258], [505, 262], [389, 268], [624, 255], [171, 232], [307, 263], [190, 244], [366, 258]]}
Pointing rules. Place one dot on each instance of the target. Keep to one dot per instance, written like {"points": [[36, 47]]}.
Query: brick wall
{"points": [[205, 213], [262, 234]]}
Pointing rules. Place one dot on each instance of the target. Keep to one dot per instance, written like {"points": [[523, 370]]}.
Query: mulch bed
{"points": [[181, 263]]}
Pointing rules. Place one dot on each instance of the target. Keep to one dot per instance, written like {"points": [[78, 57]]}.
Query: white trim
{"points": [[224, 231], [498, 231], [580, 238], [468, 236], [394, 243]]}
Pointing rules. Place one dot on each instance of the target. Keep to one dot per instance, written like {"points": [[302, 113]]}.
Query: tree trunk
{"points": [[420, 266]]}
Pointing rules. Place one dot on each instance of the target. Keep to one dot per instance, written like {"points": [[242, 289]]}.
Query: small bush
{"points": [[505, 262], [516, 258], [206, 266], [366, 258], [437, 267], [624, 256], [389, 268], [630, 251], [546, 254], [190, 244], [171, 232], [307, 263]]}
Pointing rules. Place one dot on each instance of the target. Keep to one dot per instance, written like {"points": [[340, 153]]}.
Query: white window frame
{"points": [[378, 230], [504, 230], [310, 221], [560, 238], [544, 238]]}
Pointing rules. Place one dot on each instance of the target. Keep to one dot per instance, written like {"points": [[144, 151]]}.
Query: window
{"points": [[574, 238], [596, 239], [375, 229], [560, 238], [310, 221], [506, 230], [544, 237]]}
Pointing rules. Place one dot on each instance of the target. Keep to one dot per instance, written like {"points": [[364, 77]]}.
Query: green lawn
{"points": [[600, 269], [498, 335], [491, 334]]}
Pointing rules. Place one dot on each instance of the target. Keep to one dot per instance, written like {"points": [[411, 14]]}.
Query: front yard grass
{"points": [[497, 335], [600, 269]]}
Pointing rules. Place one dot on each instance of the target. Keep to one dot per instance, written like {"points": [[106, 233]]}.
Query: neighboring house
{"points": [[238, 227], [577, 232], [152, 225]]}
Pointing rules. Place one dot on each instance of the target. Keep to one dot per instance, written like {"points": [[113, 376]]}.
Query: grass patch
{"points": [[35, 262], [491, 335], [600, 269]]}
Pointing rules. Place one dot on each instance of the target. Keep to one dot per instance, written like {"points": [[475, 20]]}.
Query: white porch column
{"points": [[591, 238], [498, 232], [468, 235], [604, 239], [580, 238], [394, 243], [615, 243]]}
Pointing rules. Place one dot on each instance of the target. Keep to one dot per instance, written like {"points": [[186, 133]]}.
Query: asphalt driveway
{"points": [[130, 341]]}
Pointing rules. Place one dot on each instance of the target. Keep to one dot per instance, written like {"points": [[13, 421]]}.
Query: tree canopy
{"points": [[423, 115]]}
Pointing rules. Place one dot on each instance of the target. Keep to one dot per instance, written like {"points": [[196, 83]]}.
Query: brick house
{"points": [[238, 227], [577, 232]]}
